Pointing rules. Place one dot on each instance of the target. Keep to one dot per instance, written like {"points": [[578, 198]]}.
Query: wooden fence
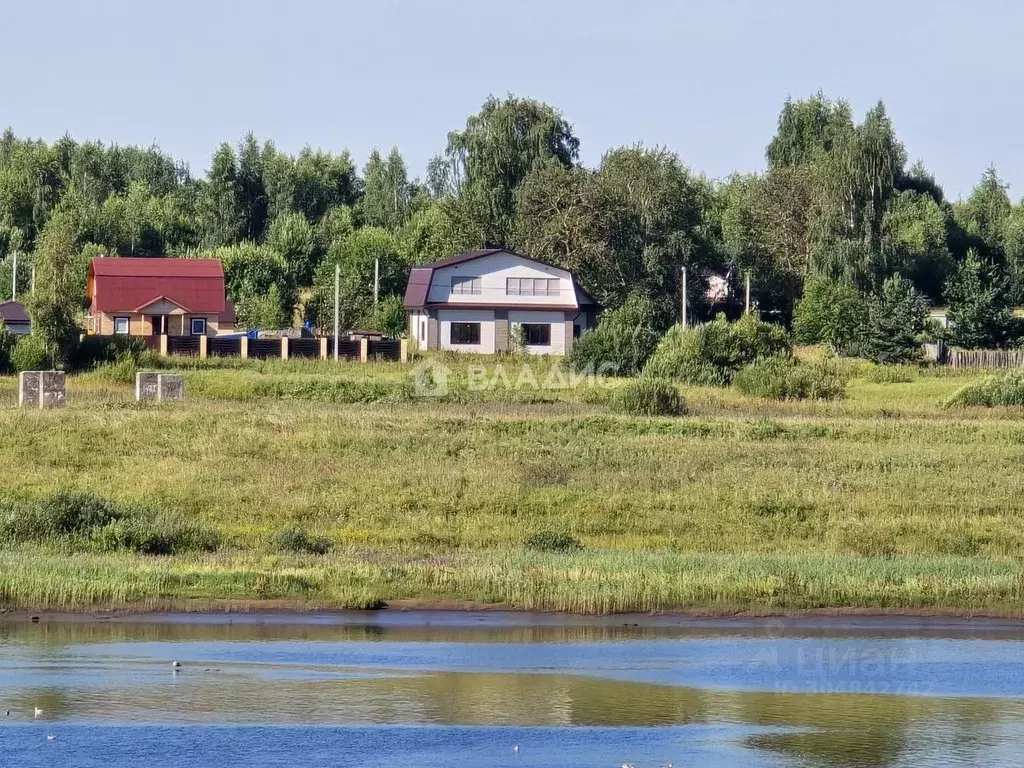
{"points": [[954, 357]]}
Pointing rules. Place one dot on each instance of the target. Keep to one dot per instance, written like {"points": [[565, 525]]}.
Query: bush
{"points": [[91, 521], [830, 313], [781, 378], [75, 512], [711, 354], [892, 374], [93, 351], [30, 354], [155, 536], [990, 392], [292, 538], [621, 343], [552, 541], [7, 342], [648, 396]]}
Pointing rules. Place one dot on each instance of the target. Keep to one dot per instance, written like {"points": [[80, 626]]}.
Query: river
{"points": [[508, 690]]}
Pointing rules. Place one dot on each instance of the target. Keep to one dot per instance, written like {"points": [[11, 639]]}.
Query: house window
{"points": [[465, 333], [536, 334], [467, 285], [122, 326], [198, 326], [532, 286]]}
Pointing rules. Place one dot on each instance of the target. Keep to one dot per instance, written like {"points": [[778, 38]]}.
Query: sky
{"points": [[704, 78]]}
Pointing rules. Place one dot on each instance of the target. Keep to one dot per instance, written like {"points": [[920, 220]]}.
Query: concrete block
{"points": [[28, 389], [52, 393], [146, 385], [170, 387]]}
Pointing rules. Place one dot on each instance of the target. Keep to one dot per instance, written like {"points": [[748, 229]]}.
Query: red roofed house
{"points": [[149, 297]]}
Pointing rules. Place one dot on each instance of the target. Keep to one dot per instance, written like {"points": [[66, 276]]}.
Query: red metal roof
{"points": [[127, 284]]}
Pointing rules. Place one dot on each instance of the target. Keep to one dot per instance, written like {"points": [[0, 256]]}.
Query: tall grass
{"points": [[884, 499]]}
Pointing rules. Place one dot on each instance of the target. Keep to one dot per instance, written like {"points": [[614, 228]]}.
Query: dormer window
{"points": [[532, 286], [467, 286]]}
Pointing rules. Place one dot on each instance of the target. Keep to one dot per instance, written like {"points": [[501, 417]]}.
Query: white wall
{"points": [[445, 318], [493, 272], [555, 319], [418, 327]]}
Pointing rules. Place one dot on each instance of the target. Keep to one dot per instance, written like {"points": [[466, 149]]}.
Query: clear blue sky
{"points": [[704, 77]]}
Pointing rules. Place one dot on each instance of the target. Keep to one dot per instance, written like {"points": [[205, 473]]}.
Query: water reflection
{"points": [[613, 682]]}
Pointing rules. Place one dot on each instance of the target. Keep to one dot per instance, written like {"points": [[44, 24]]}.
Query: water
{"points": [[393, 689]]}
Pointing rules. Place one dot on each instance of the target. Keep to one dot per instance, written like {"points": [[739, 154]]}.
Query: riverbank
{"points": [[883, 502]]}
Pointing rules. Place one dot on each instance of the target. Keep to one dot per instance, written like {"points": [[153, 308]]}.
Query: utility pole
{"points": [[376, 281], [747, 302], [683, 296], [337, 306], [14, 276]]}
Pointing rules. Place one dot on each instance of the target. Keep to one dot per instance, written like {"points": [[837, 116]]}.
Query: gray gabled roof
{"points": [[13, 312]]}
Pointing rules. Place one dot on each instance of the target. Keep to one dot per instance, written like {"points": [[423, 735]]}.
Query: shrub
{"points": [[781, 378], [552, 541], [711, 354], [648, 396], [100, 350], [292, 538], [76, 512], [30, 354], [7, 342], [830, 313], [892, 374], [155, 536], [990, 392], [621, 343], [93, 521]]}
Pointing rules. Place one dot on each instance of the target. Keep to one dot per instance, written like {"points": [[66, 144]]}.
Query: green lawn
{"points": [[884, 500]]}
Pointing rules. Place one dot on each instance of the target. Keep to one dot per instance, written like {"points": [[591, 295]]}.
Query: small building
{"points": [[155, 296], [14, 317], [478, 300]]}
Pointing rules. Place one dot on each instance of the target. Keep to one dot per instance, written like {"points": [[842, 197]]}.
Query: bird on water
{"points": [[39, 712]]}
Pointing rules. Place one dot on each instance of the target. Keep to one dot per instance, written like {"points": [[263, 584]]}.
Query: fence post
{"points": [[243, 347], [203, 346], [163, 344], [364, 350], [323, 348], [284, 347], [403, 351]]}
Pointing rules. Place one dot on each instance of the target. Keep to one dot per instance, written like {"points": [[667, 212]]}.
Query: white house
{"points": [[475, 301]]}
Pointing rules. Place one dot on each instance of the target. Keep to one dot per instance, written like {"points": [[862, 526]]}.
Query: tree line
{"points": [[836, 215]]}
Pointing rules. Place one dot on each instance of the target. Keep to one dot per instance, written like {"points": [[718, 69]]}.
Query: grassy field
{"points": [[884, 500]]}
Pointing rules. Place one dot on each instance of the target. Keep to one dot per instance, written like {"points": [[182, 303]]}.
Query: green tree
{"points": [[499, 146], [356, 256], [896, 320], [223, 219], [259, 282], [292, 237], [60, 284], [914, 242], [985, 215], [251, 194], [388, 317], [387, 194], [830, 313], [979, 306]]}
